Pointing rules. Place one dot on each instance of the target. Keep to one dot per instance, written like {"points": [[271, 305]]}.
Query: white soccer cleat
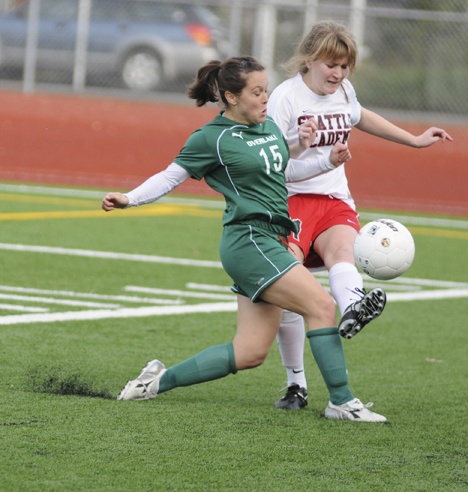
{"points": [[353, 410], [146, 385]]}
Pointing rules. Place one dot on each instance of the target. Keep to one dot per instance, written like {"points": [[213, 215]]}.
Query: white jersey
{"points": [[291, 103]]}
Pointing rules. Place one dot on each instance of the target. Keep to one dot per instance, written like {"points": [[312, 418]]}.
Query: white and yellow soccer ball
{"points": [[384, 249]]}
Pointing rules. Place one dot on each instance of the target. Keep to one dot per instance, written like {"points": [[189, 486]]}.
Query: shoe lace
{"points": [[361, 406], [360, 292], [373, 303], [293, 390]]}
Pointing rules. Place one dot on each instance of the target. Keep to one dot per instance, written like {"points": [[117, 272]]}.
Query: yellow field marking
{"points": [[83, 202], [149, 211], [428, 231], [152, 210]]}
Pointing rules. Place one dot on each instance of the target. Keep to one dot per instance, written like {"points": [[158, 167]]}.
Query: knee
{"points": [[330, 307], [249, 360], [323, 313]]}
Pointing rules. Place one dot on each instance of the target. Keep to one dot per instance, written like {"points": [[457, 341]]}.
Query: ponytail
{"points": [[216, 78]]}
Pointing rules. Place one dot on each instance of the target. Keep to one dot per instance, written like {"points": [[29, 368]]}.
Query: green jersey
{"points": [[246, 164]]}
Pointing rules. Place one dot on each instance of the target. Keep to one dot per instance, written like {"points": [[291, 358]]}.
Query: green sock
{"points": [[213, 363], [329, 354]]}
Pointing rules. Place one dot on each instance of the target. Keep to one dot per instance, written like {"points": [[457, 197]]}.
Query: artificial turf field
{"points": [[87, 298]]}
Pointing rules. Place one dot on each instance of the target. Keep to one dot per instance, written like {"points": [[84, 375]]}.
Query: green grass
{"points": [[62, 429]]}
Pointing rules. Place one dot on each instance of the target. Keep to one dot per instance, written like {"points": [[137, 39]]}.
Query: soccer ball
{"points": [[384, 249]]}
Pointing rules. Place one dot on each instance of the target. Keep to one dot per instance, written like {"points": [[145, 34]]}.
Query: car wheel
{"points": [[142, 70]]}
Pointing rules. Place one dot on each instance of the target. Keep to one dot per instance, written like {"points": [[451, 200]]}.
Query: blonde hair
{"points": [[325, 40]]}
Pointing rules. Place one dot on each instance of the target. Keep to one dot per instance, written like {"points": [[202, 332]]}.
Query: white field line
{"points": [[109, 255], [429, 283], [323, 281], [87, 295], [50, 300], [139, 312], [208, 287], [429, 295], [182, 293], [26, 309], [446, 290], [197, 263], [391, 287]]}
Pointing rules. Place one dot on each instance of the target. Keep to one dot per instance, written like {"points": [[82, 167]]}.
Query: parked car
{"points": [[148, 44]]}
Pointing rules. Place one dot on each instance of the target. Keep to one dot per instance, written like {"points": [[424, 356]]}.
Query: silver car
{"points": [[147, 44]]}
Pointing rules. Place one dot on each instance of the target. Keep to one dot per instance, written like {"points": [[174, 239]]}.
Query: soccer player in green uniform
{"points": [[243, 155]]}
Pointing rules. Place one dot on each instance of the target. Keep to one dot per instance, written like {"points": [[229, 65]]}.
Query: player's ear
{"points": [[230, 98]]}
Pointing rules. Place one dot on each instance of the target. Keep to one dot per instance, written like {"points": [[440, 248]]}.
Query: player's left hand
{"points": [[340, 154], [431, 136]]}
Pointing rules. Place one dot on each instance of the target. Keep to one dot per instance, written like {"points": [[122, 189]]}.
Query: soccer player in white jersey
{"points": [[322, 206]]}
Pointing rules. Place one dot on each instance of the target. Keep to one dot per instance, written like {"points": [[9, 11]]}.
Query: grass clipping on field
{"points": [[59, 380]]}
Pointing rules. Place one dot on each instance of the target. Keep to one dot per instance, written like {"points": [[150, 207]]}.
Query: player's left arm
{"points": [[378, 126], [300, 170]]}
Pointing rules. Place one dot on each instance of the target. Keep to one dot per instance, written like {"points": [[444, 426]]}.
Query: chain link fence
{"points": [[413, 53]]}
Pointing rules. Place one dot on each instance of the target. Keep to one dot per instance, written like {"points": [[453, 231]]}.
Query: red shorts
{"points": [[315, 214]]}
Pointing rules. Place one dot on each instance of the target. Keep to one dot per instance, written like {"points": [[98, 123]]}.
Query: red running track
{"points": [[116, 144]]}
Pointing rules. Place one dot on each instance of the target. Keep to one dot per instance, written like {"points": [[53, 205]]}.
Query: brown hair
{"points": [[325, 40], [216, 78]]}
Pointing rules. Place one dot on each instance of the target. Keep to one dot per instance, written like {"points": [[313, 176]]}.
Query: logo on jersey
{"points": [[331, 128], [298, 223], [262, 140], [237, 135]]}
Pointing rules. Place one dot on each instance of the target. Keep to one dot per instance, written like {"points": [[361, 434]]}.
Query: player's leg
{"points": [[335, 247], [299, 291], [258, 322], [257, 326], [290, 339], [357, 307], [290, 336]]}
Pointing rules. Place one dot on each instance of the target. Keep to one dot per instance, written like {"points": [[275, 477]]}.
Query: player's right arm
{"points": [[151, 190]]}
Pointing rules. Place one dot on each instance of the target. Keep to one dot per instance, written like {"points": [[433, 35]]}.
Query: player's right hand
{"points": [[307, 132], [114, 200]]}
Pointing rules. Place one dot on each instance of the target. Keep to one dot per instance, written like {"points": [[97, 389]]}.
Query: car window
{"points": [[140, 11], [59, 9], [162, 12], [110, 10]]}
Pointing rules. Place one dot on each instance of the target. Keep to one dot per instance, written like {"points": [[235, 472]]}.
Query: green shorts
{"points": [[255, 257]]}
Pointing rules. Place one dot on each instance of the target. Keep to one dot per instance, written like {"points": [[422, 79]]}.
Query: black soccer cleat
{"points": [[294, 399], [362, 312]]}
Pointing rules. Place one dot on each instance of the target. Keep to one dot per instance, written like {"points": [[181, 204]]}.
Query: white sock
{"points": [[290, 338], [344, 280]]}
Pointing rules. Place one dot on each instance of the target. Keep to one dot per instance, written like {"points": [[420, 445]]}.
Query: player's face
{"points": [[324, 77], [250, 106]]}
